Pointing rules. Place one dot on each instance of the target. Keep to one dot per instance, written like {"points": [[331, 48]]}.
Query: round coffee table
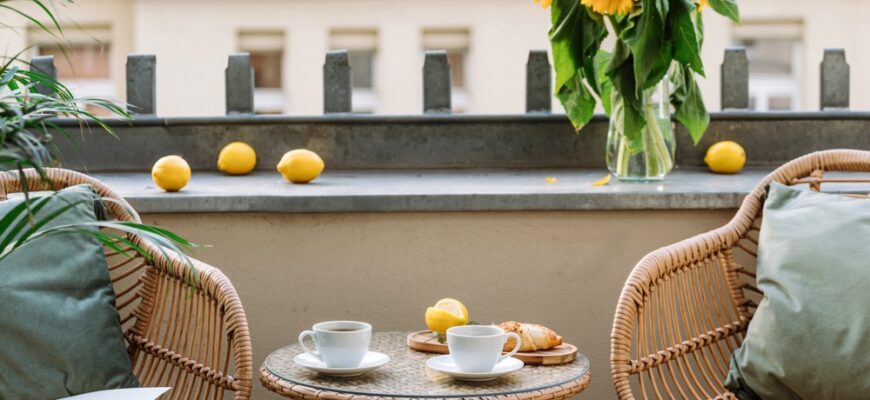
{"points": [[406, 376]]}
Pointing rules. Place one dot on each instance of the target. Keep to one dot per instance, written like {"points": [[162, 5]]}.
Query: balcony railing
{"points": [[436, 139], [337, 86]]}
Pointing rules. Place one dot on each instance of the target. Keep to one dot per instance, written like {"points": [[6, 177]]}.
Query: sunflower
{"points": [[609, 6], [544, 3]]}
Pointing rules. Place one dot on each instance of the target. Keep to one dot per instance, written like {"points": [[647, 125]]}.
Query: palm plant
{"points": [[27, 125]]}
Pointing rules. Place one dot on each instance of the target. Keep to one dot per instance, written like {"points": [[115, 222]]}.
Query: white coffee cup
{"points": [[478, 348], [339, 344]]}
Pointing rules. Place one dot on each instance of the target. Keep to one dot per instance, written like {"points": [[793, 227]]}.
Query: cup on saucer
{"points": [[339, 344], [478, 348]]}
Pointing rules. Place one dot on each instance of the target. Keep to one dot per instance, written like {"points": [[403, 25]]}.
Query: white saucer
{"points": [[371, 361], [445, 364]]}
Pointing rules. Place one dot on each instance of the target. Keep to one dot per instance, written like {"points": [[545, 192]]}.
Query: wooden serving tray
{"points": [[426, 342]]}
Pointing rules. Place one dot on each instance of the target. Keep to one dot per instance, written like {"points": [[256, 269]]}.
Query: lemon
{"points": [[170, 173], [300, 166], [725, 157], [445, 314], [237, 158]]}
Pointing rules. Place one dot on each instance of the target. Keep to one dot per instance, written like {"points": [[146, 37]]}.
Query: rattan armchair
{"points": [[685, 307], [184, 327]]}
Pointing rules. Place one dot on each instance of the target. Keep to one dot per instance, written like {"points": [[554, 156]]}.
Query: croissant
{"points": [[533, 337]]}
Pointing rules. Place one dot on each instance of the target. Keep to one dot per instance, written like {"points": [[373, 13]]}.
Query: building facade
{"points": [[487, 43]]}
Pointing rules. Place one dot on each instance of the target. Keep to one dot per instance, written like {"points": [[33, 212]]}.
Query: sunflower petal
{"points": [[602, 181]]}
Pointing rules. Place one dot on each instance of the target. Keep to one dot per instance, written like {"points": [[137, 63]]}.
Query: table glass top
{"points": [[406, 375]]}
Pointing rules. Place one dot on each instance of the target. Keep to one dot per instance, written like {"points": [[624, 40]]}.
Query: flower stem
{"points": [[658, 157]]}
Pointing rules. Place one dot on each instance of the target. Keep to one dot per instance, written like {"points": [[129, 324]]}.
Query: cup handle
{"points": [[305, 348], [516, 348]]}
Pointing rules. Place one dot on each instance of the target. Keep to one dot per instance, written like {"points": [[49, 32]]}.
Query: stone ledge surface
{"points": [[435, 190]]}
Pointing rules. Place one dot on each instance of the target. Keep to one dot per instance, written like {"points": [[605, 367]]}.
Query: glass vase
{"points": [[650, 157]]}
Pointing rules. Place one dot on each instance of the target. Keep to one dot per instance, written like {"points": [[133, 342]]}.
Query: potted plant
{"points": [[649, 72], [27, 130]]}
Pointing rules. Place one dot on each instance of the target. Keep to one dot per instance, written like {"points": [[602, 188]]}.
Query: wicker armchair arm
{"points": [[193, 322], [678, 301]]}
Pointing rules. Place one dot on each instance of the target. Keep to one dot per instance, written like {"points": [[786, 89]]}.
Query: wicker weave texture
{"points": [[302, 392], [685, 308], [184, 324], [406, 375]]}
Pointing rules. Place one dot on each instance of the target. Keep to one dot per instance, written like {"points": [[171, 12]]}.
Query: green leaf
{"points": [[628, 120], [605, 87], [626, 105], [688, 102], [662, 66], [594, 32], [20, 218], [566, 47], [727, 8], [647, 42], [687, 46], [621, 55], [578, 102], [575, 37]]}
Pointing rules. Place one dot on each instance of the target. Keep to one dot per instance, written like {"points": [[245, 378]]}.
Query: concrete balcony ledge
{"points": [[435, 190]]}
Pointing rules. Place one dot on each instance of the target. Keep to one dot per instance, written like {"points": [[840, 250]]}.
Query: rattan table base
{"points": [[302, 392], [407, 377]]}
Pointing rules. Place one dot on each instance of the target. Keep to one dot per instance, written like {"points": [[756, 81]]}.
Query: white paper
{"points": [[126, 394]]}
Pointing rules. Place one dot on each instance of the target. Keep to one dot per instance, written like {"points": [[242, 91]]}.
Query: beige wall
{"points": [[562, 269], [192, 39]]}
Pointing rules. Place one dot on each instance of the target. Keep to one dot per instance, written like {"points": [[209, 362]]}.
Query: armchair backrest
{"points": [[685, 307]]}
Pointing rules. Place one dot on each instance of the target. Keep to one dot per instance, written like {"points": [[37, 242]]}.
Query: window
{"points": [[774, 52], [361, 46], [267, 67], [80, 60], [266, 48], [456, 43], [83, 60]]}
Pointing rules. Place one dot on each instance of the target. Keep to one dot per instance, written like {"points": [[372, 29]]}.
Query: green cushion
{"points": [[60, 333], [810, 337]]}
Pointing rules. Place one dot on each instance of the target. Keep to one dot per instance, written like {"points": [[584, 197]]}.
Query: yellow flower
{"points": [[544, 3], [609, 6], [702, 4]]}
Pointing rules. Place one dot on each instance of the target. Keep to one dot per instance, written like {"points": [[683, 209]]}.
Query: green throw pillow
{"points": [[810, 337], [60, 333]]}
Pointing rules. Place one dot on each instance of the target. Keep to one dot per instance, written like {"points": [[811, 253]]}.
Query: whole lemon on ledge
{"points": [[300, 166], [237, 158], [725, 157], [170, 173], [445, 314]]}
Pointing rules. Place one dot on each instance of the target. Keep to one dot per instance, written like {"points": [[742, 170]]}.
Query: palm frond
{"points": [[26, 138]]}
